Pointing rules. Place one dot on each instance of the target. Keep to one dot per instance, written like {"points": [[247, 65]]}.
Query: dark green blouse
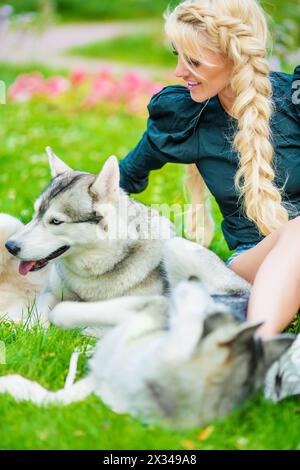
{"points": [[182, 131]]}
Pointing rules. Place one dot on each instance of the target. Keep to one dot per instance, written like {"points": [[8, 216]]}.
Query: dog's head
{"points": [[71, 213], [215, 362]]}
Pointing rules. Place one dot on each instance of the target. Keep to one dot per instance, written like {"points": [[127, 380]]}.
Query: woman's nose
{"points": [[181, 71]]}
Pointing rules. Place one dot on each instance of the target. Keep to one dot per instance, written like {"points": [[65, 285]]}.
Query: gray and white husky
{"points": [[180, 360], [95, 236], [100, 244]]}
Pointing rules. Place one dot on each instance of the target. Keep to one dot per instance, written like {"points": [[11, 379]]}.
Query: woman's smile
{"points": [[192, 85]]}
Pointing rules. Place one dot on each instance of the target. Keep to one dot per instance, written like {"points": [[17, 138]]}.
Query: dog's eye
{"points": [[55, 222]]}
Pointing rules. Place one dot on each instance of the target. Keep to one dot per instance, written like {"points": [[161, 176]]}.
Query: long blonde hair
{"points": [[236, 29]]}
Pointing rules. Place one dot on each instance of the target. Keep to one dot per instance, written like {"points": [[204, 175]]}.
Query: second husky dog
{"points": [[182, 360]]}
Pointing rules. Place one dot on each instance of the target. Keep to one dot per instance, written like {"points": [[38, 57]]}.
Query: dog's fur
{"points": [[283, 379], [97, 265], [17, 293], [182, 360]]}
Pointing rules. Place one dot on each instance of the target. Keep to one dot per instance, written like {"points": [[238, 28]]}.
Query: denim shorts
{"points": [[241, 248]]}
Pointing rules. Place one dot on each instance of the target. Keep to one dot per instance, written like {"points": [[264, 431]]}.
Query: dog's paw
{"points": [[56, 316], [61, 315], [149, 304]]}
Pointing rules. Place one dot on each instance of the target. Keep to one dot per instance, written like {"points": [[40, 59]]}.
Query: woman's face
{"points": [[217, 78]]}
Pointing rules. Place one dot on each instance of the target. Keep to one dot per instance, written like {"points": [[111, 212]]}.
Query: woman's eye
{"points": [[195, 63], [55, 222]]}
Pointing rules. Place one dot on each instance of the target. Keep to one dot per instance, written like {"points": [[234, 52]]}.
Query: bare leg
{"points": [[274, 270]]}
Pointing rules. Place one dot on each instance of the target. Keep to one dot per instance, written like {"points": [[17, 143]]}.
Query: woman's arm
{"points": [[136, 166], [169, 137]]}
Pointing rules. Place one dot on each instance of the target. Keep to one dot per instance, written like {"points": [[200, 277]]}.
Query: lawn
{"points": [[95, 9], [85, 138], [144, 48]]}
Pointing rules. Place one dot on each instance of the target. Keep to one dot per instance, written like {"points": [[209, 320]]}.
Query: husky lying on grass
{"points": [[95, 237], [181, 360], [100, 244]]}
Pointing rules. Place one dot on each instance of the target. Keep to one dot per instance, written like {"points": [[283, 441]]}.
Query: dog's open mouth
{"points": [[30, 266]]}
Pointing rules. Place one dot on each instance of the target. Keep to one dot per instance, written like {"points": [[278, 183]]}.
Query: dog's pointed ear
{"points": [[243, 334], [216, 320], [57, 166], [108, 180], [275, 347]]}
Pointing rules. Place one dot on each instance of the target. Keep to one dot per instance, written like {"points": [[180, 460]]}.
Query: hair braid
{"points": [[238, 30]]}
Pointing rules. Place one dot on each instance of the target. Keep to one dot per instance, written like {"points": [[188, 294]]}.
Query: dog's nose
{"points": [[12, 247]]}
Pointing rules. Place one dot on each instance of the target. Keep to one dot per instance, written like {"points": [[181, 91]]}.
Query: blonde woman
{"points": [[238, 125]]}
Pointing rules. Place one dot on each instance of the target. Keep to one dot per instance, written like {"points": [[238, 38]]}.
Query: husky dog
{"points": [[181, 360], [17, 293], [102, 244], [97, 236]]}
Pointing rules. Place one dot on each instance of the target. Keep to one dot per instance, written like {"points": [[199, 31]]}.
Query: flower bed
{"points": [[130, 91]]}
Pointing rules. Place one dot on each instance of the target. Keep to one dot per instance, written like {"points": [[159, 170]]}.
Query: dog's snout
{"points": [[12, 247]]}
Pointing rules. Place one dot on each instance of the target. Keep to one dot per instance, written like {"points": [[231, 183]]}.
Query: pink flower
{"points": [[78, 76], [104, 73], [56, 85], [26, 86]]}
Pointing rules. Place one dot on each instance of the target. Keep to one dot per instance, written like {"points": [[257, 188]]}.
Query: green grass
{"points": [[147, 49], [85, 139], [44, 357], [97, 9]]}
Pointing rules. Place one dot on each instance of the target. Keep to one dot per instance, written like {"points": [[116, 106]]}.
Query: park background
{"points": [[78, 76]]}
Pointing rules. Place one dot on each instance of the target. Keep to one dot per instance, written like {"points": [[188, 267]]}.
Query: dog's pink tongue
{"points": [[25, 267]]}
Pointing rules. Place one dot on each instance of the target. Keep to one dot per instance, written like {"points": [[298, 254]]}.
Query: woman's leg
{"points": [[273, 267]]}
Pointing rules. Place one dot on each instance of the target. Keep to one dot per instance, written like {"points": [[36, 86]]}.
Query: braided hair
{"points": [[237, 29]]}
